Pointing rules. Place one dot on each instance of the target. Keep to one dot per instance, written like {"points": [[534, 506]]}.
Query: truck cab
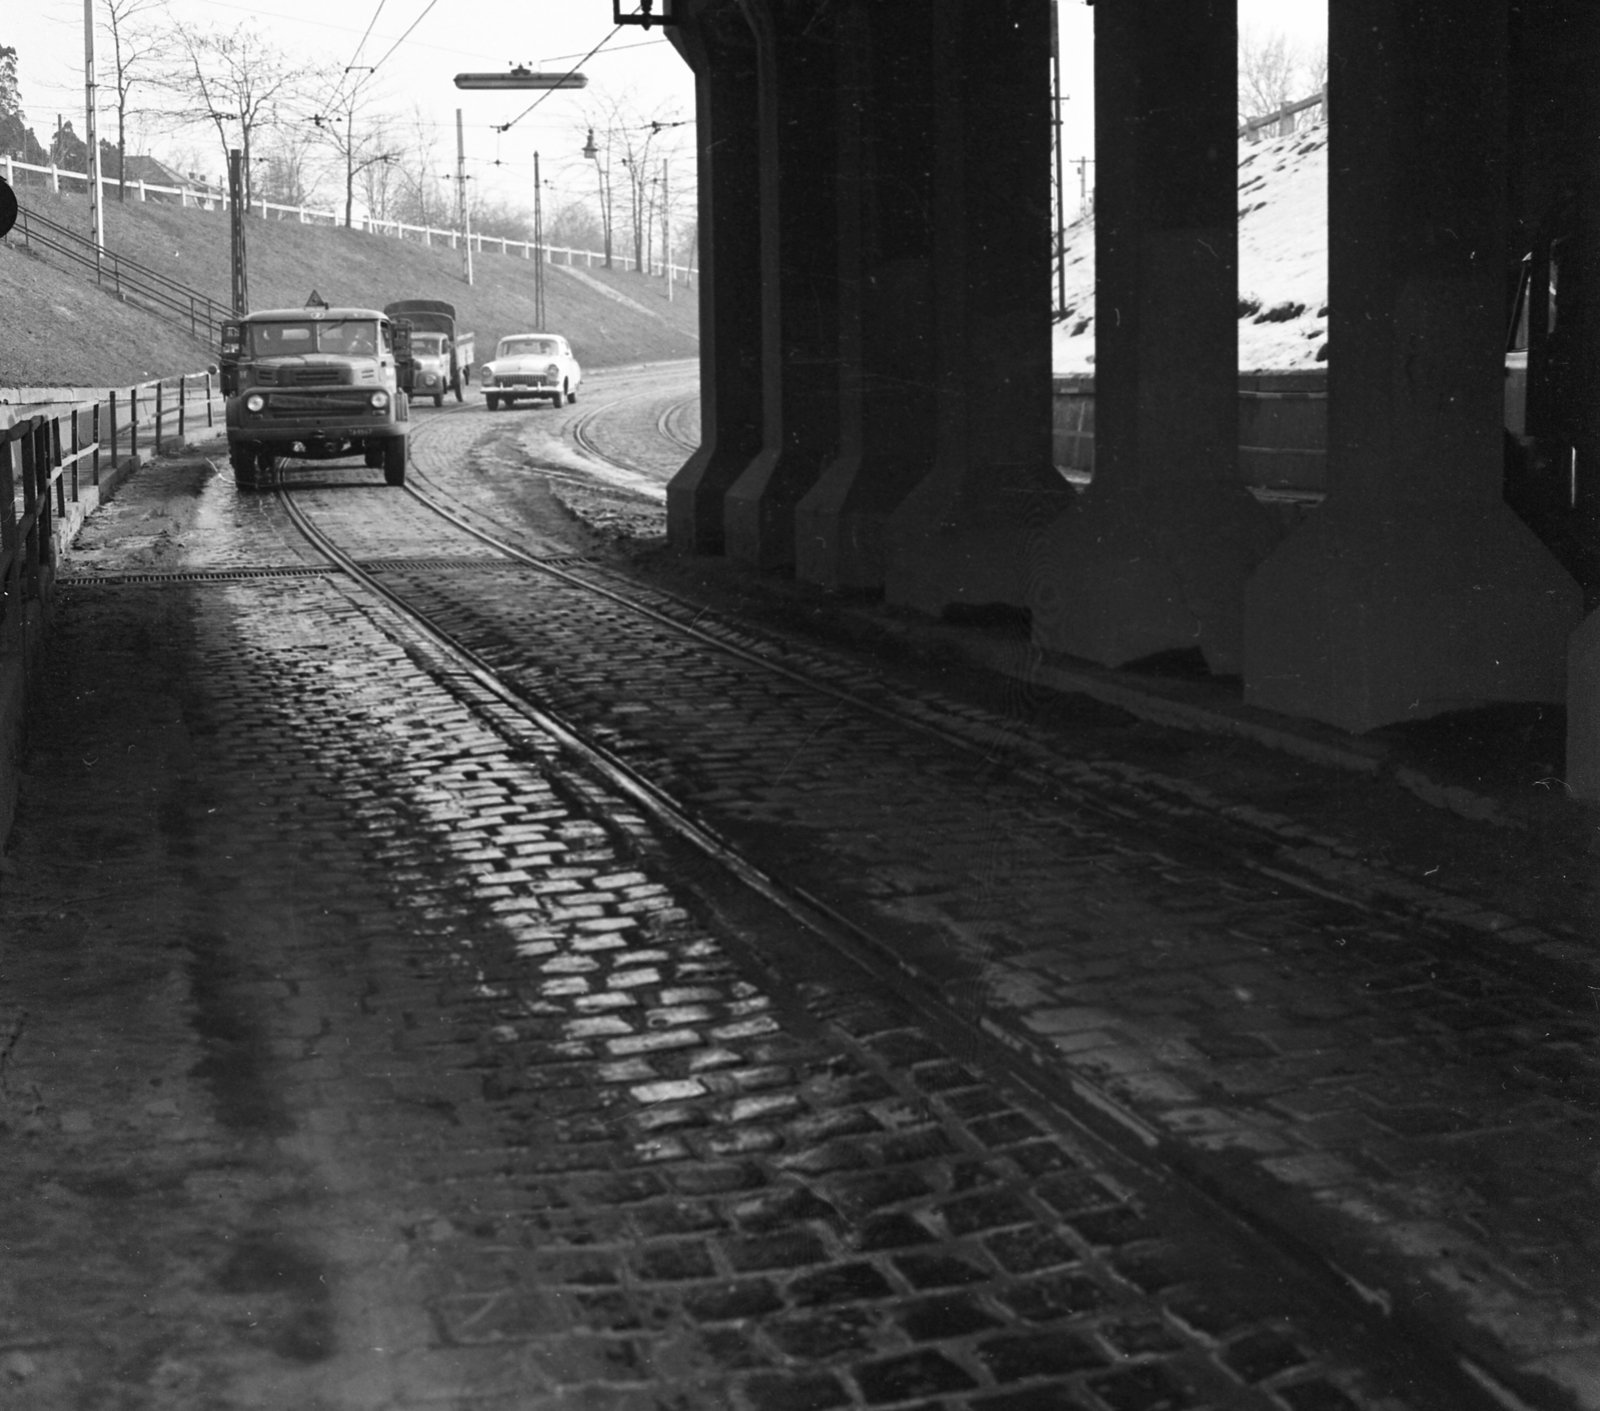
{"points": [[315, 383]]}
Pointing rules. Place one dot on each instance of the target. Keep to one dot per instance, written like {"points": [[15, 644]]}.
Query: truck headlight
{"points": [[379, 399], [254, 402]]}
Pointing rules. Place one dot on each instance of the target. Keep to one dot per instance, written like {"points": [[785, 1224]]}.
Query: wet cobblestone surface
{"points": [[1242, 991], [423, 1074]]}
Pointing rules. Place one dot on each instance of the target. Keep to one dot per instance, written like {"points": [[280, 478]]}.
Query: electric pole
{"points": [[464, 217], [538, 245], [97, 213], [241, 285], [666, 226], [1061, 186]]}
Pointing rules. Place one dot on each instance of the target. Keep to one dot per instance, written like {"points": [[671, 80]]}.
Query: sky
{"points": [[445, 38], [419, 45]]}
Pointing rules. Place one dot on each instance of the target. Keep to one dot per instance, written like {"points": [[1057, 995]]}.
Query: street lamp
{"points": [[521, 77], [642, 13]]}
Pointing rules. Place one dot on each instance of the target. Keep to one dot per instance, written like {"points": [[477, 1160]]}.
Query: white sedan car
{"points": [[528, 366]]}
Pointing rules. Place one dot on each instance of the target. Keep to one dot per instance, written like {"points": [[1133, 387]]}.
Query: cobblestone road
{"points": [[373, 1057]]}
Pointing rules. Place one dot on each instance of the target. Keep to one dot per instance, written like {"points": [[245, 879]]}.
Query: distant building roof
{"points": [[158, 173]]}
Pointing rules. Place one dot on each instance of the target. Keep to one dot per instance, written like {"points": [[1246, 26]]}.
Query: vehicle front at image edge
{"points": [[315, 383], [530, 366]]}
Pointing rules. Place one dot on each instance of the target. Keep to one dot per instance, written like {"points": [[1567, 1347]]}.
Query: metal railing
{"points": [[167, 298], [53, 455], [213, 198]]}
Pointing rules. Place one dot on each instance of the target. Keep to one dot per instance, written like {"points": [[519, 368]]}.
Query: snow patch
{"points": [[1283, 262]]}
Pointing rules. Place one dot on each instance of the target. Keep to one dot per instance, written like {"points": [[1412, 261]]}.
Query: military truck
{"points": [[443, 356], [315, 383]]}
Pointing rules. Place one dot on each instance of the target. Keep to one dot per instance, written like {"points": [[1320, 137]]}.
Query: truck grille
{"points": [[302, 405], [315, 377]]}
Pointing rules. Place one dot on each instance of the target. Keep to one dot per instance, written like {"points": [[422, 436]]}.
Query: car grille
{"points": [[335, 404], [523, 379]]}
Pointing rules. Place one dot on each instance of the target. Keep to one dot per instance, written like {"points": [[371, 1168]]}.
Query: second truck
{"points": [[441, 356]]}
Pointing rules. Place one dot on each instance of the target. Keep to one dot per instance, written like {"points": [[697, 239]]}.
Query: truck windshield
{"points": [[428, 344], [527, 348], [348, 336]]}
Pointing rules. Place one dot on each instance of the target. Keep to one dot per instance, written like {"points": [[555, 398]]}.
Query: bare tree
{"points": [[349, 124], [1269, 74], [288, 170], [419, 196], [630, 147], [134, 44], [236, 80]]}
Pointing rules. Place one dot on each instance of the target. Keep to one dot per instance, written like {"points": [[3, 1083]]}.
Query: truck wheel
{"points": [[438, 399], [494, 401], [457, 386], [394, 461], [373, 455], [243, 461]]}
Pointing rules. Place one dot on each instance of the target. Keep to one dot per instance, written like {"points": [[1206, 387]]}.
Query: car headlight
{"points": [[254, 402], [552, 371], [486, 379], [379, 399]]}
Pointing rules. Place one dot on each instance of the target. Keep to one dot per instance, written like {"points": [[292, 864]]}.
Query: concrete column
{"points": [[964, 536], [720, 49], [1155, 555], [797, 64], [1414, 590], [1578, 306], [887, 408]]}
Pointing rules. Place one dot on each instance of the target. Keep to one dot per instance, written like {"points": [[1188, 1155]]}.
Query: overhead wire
{"points": [[506, 127]]}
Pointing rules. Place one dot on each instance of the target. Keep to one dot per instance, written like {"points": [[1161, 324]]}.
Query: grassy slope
{"points": [[59, 329]]}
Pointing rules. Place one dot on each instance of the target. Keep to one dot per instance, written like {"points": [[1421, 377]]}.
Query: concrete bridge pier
{"points": [[1580, 44], [1414, 590], [886, 157], [722, 53], [799, 299], [964, 535], [1156, 554]]}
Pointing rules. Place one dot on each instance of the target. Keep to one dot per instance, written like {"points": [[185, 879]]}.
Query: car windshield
{"points": [[528, 348], [351, 336]]}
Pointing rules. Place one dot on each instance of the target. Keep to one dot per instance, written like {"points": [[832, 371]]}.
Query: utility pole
{"points": [[241, 285], [538, 245], [97, 210], [1061, 187], [666, 226], [464, 217]]}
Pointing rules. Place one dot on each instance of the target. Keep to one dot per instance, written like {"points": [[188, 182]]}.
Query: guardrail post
{"points": [[133, 422], [94, 430], [9, 617], [210, 415], [155, 445], [113, 398], [183, 400], [53, 459], [77, 445]]}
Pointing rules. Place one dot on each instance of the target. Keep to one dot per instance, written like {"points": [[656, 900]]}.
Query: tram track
{"points": [[1083, 1106]]}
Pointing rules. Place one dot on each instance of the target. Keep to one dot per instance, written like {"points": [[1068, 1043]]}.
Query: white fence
{"points": [[210, 198]]}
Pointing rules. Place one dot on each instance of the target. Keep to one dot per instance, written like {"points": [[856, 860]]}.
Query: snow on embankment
{"points": [[1283, 262]]}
